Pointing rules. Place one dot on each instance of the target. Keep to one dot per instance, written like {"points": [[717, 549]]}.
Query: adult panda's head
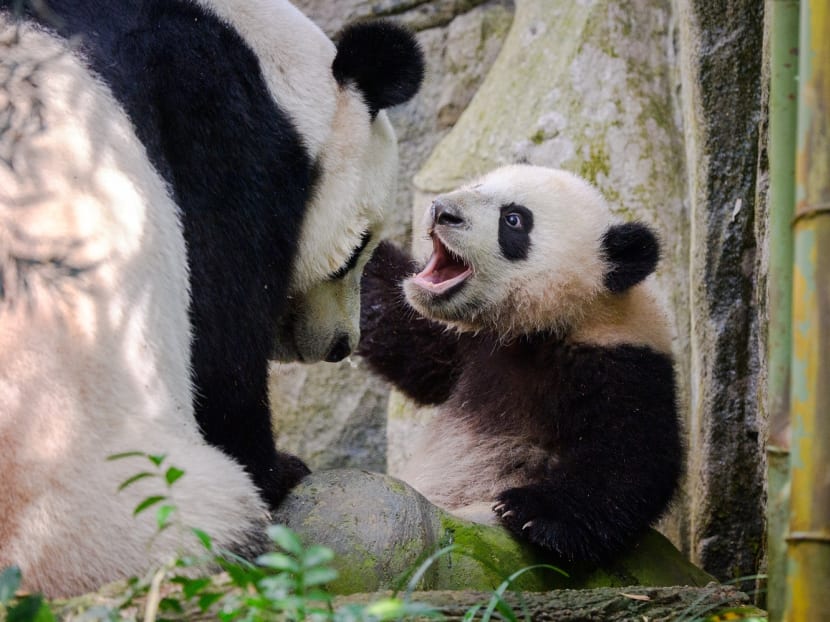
{"points": [[376, 65], [527, 249]]}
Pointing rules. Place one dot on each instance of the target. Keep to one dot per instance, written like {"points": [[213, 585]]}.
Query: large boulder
{"points": [[382, 530]]}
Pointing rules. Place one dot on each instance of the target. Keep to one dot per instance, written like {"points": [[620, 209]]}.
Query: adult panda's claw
{"points": [[508, 514], [498, 508], [527, 525]]}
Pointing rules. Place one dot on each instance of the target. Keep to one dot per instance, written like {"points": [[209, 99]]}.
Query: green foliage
{"points": [[286, 584], [169, 476], [26, 608]]}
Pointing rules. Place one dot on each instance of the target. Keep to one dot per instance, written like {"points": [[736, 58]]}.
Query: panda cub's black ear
{"points": [[632, 250], [383, 59]]}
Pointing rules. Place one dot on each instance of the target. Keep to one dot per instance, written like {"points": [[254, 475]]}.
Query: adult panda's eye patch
{"points": [[351, 262]]}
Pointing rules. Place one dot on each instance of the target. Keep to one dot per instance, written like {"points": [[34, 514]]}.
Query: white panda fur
{"points": [[95, 364], [96, 286], [547, 350]]}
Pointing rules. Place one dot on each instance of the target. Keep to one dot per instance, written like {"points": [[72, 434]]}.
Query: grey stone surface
{"points": [[724, 117], [331, 414]]}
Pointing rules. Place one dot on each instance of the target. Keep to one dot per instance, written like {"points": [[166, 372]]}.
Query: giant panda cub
{"points": [[188, 188], [534, 329]]}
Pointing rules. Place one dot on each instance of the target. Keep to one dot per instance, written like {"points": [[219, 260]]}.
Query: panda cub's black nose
{"points": [[340, 350], [446, 214]]}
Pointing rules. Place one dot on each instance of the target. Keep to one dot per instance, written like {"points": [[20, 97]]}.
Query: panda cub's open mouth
{"points": [[445, 271]]}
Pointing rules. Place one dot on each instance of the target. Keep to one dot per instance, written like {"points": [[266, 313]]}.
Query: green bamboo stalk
{"points": [[808, 542], [783, 28]]}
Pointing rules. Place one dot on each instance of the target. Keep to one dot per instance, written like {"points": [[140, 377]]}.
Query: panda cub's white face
{"points": [[515, 252]]}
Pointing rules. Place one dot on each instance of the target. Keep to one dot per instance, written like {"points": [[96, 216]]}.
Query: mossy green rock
{"points": [[383, 531]]}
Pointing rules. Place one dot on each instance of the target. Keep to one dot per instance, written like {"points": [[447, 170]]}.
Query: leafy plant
{"points": [[170, 475], [26, 608]]}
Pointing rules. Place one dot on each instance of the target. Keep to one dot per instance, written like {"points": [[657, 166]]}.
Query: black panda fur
{"points": [[585, 430]]}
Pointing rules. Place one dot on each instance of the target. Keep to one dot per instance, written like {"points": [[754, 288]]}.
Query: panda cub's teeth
{"points": [[443, 271]]}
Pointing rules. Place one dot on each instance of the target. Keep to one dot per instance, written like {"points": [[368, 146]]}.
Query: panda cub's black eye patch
{"points": [[515, 225], [351, 262]]}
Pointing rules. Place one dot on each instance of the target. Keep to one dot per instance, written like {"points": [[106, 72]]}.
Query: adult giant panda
{"points": [[556, 393], [187, 188]]}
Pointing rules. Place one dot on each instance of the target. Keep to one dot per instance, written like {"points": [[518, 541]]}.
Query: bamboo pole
{"points": [[808, 543], [783, 28]]}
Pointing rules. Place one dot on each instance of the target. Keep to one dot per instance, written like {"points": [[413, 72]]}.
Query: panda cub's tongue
{"points": [[443, 270]]}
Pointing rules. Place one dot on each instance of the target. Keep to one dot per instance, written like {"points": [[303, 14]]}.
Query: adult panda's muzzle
{"points": [[340, 349]]}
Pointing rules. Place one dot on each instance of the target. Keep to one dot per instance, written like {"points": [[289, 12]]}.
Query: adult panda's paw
{"points": [[529, 513], [287, 473]]}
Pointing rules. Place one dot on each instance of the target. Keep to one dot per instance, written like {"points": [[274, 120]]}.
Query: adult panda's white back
{"points": [[94, 339]]}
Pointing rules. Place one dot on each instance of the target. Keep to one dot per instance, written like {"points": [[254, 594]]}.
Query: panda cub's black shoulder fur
{"points": [[556, 395]]}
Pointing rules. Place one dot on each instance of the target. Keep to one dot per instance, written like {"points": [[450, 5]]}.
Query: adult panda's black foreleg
{"points": [[232, 406], [419, 356], [619, 456]]}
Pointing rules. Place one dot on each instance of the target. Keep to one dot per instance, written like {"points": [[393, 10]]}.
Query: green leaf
{"points": [[396, 608], [172, 474], [240, 577], [470, 614], [207, 600], [319, 576], [156, 459], [285, 539], [316, 555], [126, 454], [278, 561], [422, 569], [9, 583], [135, 478], [170, 604], [496, 601], [194, 586], [204, 538], [163, 515], [30, 609], [148, 502]]}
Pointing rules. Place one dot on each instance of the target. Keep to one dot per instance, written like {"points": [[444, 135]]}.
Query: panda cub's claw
{"points": [[519, 511]]}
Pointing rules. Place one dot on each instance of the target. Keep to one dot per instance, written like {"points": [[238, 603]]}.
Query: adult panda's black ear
{"points": [[632, 251], [383, 59]]}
